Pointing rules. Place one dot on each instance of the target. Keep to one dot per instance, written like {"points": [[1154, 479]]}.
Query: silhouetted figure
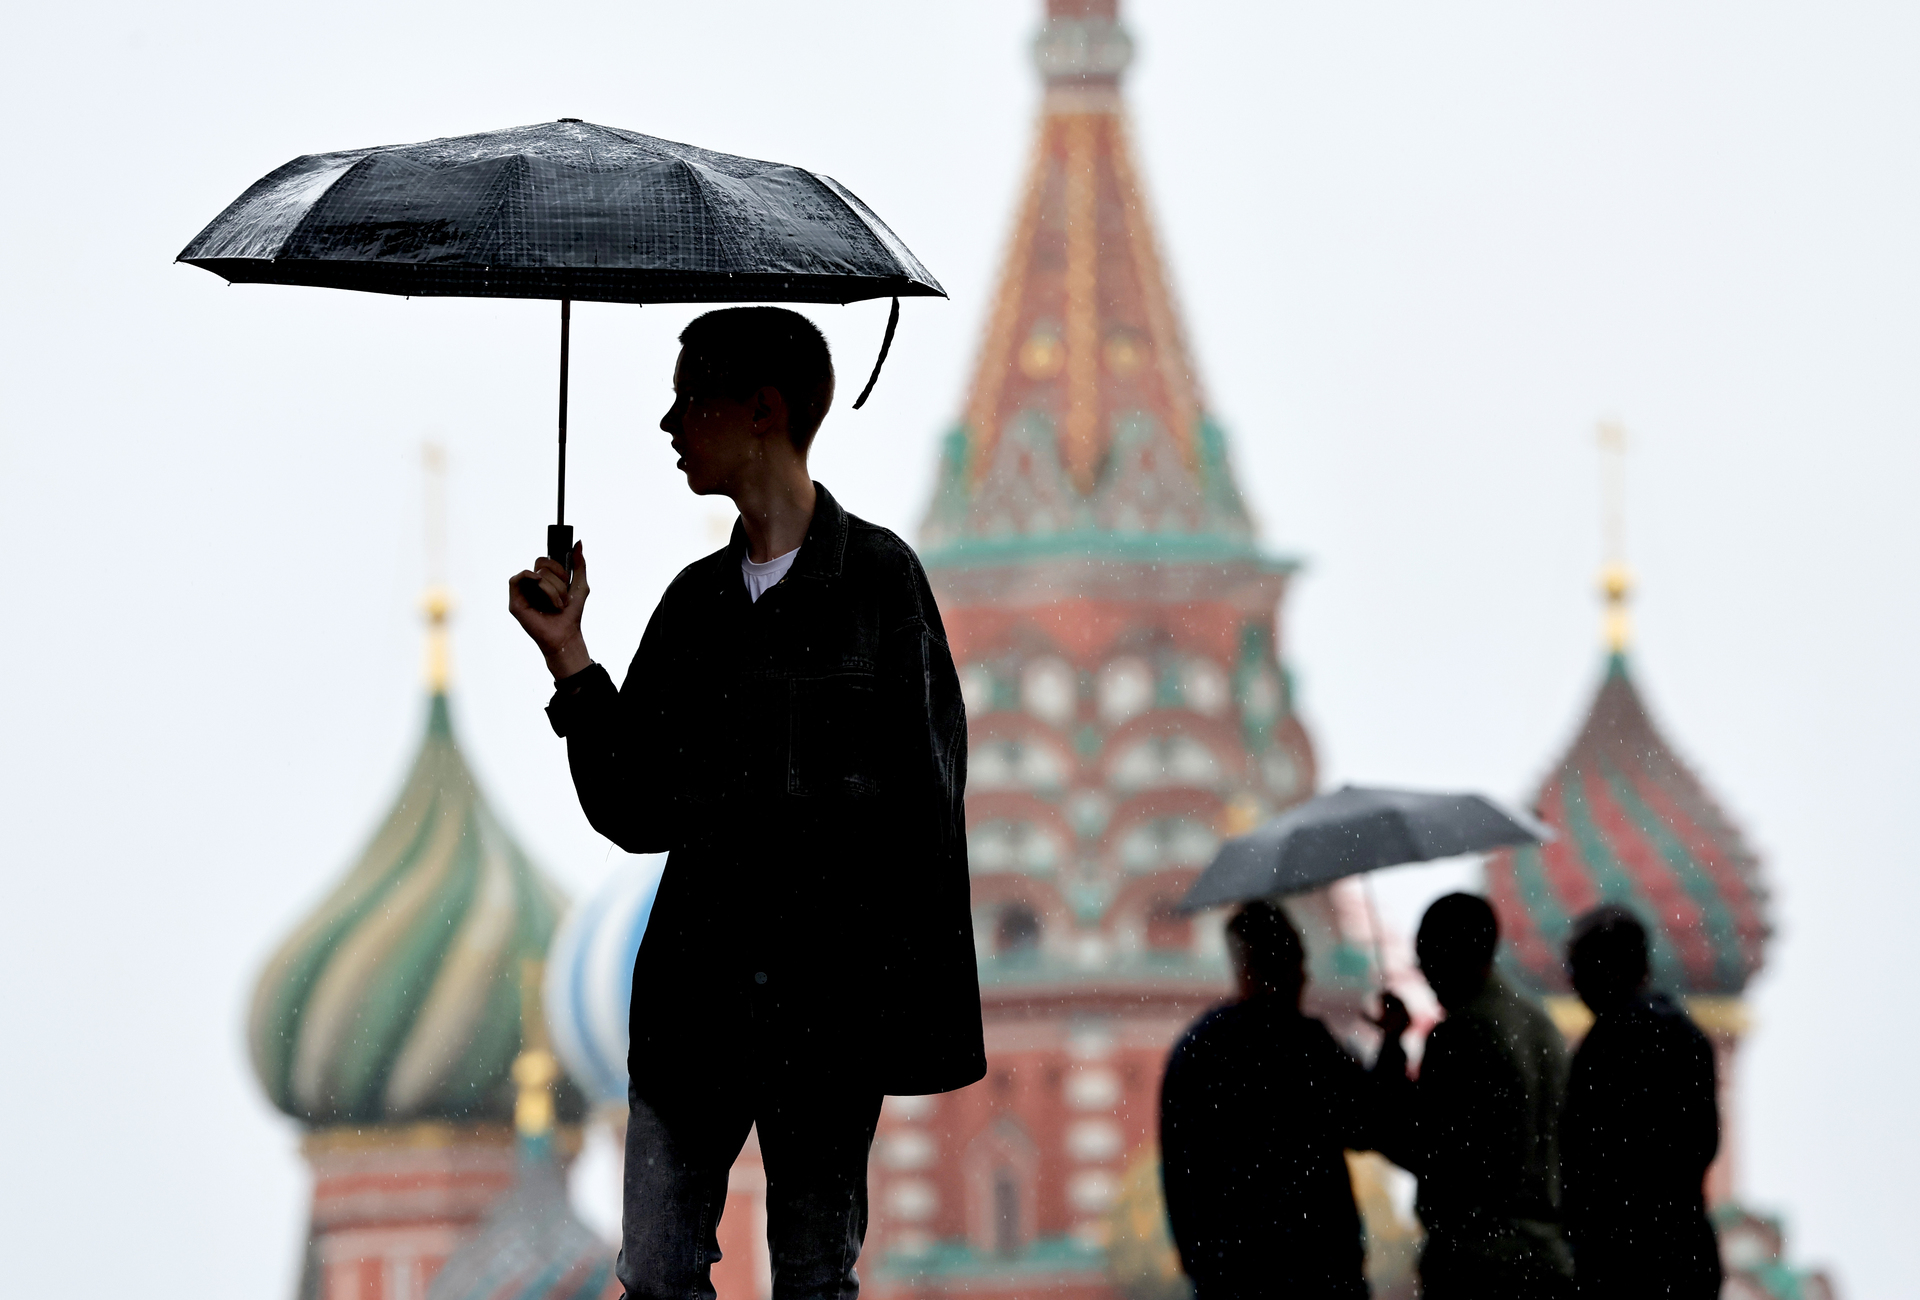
{"points": [[1257, 1110], [1641, 1125], [791, 731], [1479, 1126]]}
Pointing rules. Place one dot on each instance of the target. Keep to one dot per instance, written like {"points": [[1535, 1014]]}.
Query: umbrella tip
{"points": [[570, 119]]}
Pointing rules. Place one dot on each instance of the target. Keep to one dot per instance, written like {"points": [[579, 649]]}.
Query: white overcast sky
{"points": [[1421, 249]]}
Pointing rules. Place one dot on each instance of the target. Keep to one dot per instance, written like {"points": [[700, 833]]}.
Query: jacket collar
{"points": [[822, 552]]}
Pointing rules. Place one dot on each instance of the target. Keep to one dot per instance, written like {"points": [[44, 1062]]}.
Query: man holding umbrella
{"points": [[791, 730], [1257, 1111]]}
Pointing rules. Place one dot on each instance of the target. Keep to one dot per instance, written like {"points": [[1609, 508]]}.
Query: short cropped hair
{"points": [[1460, 927], [1610, 942], [1271, 945], [739, 350]]}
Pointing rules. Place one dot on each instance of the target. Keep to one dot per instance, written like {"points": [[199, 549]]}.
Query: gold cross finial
{"points": [[437, 603], [1616, 581]]}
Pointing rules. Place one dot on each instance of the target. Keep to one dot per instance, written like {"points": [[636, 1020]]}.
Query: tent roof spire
{"points": [[1085, 429]]}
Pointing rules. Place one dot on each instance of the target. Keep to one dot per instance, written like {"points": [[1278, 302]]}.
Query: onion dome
{"points": [[589, 984], [1636, 828], [398, 998], [531, 1246]]}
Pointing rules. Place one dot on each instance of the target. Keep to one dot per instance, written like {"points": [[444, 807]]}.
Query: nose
{"points": [[670, 422]]}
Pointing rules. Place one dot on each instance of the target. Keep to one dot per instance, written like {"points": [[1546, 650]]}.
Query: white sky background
{"points": [[1421, 250]]}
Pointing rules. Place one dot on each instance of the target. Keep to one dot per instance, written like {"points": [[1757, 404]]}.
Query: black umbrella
{"points": [[1354, 830], [562, 210]]}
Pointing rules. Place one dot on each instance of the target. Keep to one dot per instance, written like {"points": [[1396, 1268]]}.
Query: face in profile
{"points": [[712, 434]]}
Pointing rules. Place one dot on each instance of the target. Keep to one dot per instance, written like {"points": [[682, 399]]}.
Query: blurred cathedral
{"points": [[389, 1024], [1117, 627]]}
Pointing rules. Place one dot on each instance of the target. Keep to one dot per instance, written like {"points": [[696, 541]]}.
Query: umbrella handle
{"points": [[560, 551], [1373, 928]]}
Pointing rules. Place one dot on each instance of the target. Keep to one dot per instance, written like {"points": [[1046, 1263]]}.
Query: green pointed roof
{"points": [[398, 999], [1636, 827]]}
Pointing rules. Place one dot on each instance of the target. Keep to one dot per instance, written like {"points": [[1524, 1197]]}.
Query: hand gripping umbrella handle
{"points": [[560, 532]]}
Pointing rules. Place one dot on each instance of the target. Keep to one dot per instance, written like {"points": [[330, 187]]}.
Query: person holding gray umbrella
{"points": [[1258, 1108]]}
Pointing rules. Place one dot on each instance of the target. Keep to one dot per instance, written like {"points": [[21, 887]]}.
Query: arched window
{"points": [[1050, 689], [1159, 762], [1168, 842], [1002, 845], [1006, 1213], [1000, 1169], [1125, 690], [1016, 931], [1011, 763]]}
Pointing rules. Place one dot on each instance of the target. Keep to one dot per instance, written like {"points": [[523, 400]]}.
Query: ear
{"points": [[769, 410]]}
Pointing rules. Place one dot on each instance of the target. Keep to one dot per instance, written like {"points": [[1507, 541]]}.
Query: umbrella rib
{"points": [[516, 171], [698, 178], [299, 227]]}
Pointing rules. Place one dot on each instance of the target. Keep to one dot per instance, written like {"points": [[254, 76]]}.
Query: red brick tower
{"points": [[1115, 628]]}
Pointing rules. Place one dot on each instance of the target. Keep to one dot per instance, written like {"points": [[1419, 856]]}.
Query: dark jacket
{"points": [[1257, 1111], [1480, 1131], [1641, 1125], [803, 760]]}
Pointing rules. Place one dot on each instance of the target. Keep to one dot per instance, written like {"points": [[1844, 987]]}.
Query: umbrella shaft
{"points": [[566, 331]]}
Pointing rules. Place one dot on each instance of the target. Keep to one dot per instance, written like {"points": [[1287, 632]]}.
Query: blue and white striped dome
{"points": [[589, 984]]}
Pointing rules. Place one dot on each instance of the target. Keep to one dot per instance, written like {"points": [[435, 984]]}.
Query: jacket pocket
{"points": [[833, 736]]}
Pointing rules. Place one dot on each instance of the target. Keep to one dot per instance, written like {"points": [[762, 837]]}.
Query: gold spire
{"points": [[534, 1070], [437, 602], [1616, 580], [1083, 311], [1083, 328]]}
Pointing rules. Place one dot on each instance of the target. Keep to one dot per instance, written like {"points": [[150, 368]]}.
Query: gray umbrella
{"points": [[1353, 830], [565, 210]]}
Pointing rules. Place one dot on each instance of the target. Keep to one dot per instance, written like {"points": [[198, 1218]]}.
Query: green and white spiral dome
{"points": [[398, 999]]}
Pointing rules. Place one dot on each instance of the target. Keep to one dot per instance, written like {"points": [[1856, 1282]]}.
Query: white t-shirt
{"points": [[761, 576]]}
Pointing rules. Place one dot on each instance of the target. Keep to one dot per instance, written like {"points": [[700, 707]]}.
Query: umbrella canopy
{"points": [[1353, 830], [565, 209]]}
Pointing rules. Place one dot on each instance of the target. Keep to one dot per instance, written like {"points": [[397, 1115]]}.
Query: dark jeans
{"points": [[814, 1143]]}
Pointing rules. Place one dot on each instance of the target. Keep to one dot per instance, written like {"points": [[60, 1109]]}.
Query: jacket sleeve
{"points": [[925, 896], [1184, 1148], [1698, 1102], [619, 744]]}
